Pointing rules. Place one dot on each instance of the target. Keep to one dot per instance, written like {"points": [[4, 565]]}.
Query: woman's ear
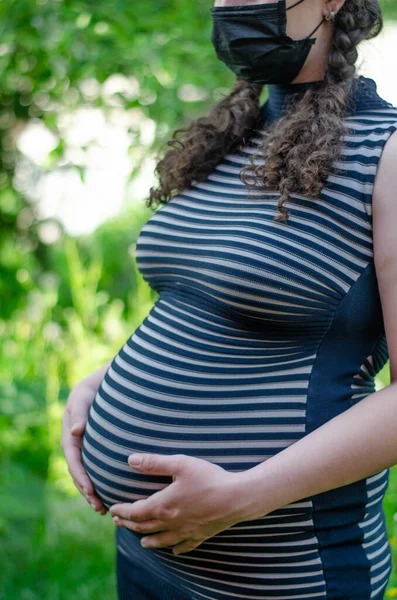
{"points": [[332, 5]]}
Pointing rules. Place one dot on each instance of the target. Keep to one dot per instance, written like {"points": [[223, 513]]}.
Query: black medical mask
{"points": [[252, 42]]}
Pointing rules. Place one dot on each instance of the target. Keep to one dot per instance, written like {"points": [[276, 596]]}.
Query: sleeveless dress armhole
{"points": [[380, 136]]}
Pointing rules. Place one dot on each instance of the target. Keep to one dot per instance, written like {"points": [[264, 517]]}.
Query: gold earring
{"points": [[330, 16]]}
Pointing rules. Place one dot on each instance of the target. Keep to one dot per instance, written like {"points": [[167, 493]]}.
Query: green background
{"points": [[67, 307]]}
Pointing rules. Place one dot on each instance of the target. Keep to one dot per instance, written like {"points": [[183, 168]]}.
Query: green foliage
{"points": [[55, 547], [56, 56], [389, 9]]}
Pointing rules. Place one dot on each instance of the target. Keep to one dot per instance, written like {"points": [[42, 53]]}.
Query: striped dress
{"points": [[263, 331]]}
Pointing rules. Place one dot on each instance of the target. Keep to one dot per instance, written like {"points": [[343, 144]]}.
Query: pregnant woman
{"points": [[248, 390]]}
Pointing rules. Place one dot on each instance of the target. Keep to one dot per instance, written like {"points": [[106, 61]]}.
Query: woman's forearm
{"points": [[356, 444]]}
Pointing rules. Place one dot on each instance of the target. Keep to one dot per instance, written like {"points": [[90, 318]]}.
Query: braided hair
{"points": [[299, 149]]}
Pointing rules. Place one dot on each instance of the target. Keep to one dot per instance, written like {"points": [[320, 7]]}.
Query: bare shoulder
{"points": [[384, 212]]}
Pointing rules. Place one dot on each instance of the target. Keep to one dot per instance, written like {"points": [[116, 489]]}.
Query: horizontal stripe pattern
{"points": [[220, 369]]}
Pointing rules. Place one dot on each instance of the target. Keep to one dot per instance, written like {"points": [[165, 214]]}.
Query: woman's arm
{"points": [[362, 440], [353, 445]]}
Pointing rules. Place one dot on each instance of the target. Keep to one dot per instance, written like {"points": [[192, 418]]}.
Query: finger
{"points": [[153, 526], [78, 427], [137, 527], [93, 500], [160, 540], [71, 446], [79, 487], [141, 510], [153, 507], [145, 509], [186, 546], [157, 464], [102, 510]]}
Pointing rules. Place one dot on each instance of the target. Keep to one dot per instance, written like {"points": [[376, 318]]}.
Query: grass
{"points": [[67, 551]]}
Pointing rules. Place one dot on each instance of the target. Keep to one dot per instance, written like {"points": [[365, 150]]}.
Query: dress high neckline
{"points": [[281, 96]]}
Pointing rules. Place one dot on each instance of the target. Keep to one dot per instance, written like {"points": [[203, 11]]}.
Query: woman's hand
{"points": [[73, 424], [202, 500]]}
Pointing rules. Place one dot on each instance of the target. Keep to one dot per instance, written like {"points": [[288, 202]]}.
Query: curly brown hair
{"points": [[299, 149]]}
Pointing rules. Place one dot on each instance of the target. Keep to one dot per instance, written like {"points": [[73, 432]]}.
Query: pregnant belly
{"points": [[178, 390], [208, 389], [121, 421]]}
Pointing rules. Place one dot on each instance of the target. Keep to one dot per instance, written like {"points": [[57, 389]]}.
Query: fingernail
{"points": [[116, 519], [93, 505], [135, 460]]}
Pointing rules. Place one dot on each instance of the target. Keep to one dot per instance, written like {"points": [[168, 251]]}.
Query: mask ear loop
{"points": [[296, 3], [318, 26]]}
